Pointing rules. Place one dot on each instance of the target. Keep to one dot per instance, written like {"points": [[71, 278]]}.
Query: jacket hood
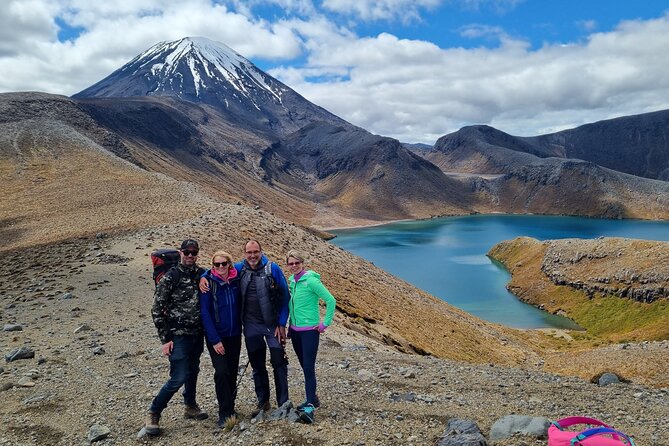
{"points": [[232, 274]]}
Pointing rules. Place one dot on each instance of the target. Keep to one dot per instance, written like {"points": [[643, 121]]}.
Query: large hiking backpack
{"points": [[163, 260]]}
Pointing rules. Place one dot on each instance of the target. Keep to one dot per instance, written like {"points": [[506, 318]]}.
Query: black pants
{"points": [[225, 374], [257, 350]]}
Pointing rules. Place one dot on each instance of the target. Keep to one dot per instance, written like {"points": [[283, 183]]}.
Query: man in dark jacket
{"points": [[176, 315], [264, 314]]}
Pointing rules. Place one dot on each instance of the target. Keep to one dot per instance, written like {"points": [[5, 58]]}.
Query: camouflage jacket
{"points": [[176, 303]]}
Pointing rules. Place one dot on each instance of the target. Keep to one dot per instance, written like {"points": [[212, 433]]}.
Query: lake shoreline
{"points": [[458, 270]]}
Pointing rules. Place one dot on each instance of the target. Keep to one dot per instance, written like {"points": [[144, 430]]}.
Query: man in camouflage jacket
{"points": [[176, 315]]}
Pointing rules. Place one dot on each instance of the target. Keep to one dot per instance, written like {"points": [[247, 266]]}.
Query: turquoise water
{"points": [[447, 257]]}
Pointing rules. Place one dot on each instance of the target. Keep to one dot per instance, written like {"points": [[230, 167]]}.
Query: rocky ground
{"points": [[83, 307]]}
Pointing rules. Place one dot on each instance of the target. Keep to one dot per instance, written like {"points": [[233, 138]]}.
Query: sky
{"points": [[414, 70]]}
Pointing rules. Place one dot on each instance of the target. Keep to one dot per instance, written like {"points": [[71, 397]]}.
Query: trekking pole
{"points": [[239, 381]]}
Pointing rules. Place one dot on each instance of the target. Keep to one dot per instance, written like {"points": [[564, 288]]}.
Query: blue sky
{"points": [[410, 69]]}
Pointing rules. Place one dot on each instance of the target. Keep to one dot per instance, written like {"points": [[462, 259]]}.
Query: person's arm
{"points": [[206, 314], [204, 283], [284, 294], [330, 303]]}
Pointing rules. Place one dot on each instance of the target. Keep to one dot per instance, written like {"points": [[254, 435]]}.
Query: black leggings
{"points": [[225, 374]]}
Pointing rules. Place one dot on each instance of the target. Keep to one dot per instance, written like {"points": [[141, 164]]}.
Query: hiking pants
{"points": [[257, 351], [226, 367], [305, 344], [184, 368]]}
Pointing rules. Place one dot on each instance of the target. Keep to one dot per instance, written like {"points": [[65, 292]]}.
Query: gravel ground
{"points": [[84, 308]]}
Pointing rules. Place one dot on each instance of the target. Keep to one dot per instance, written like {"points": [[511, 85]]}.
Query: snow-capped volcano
{"points": [[197, 69]]}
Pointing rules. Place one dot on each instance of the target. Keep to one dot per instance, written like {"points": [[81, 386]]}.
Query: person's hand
{"points": [[167, 348], [321, 327], [280, 334], [218, 348], [204, 285]]}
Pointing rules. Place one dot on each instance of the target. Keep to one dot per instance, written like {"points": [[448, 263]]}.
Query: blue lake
{"points": [[447, 257]]}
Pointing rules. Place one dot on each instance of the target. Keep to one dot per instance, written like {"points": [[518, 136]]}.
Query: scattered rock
{"points": [[67, 296], [6, 386], [608, 378], [82, 328], [365, 375], [98, 432], [99, 351], [409, 396], [142, 433], [26, 382], [36, 399], [519, 424], [461, 432], [20, 353], [12, 327]]}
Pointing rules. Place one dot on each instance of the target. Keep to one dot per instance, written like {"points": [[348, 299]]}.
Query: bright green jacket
{"points": [[304, 296]]}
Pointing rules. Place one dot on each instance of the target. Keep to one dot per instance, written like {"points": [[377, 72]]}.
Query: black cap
{"points": [[189, 243]]}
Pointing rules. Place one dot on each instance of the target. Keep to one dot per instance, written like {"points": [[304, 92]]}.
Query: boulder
{"points": [[461, 432], [519, 424]]}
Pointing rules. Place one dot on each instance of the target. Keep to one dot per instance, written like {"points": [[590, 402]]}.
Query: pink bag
{"points": [[603, 435]]}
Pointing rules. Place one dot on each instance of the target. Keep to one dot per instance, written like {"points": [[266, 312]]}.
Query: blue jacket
{"points": [[279, 279], [228, 304]]}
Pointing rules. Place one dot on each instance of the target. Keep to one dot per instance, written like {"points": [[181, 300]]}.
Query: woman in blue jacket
{"points": [[221, 318]]}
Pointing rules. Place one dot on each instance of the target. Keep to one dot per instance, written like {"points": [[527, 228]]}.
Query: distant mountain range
{"points": [[638, 145], [196, 111]]}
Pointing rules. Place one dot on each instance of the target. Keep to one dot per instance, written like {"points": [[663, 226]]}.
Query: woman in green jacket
{"points": [[306, 326]]}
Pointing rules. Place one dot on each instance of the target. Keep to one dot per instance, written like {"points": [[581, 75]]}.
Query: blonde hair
{"points": [[225, 255], [294, 253]]}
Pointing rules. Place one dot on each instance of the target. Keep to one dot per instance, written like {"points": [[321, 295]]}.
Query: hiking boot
{"points": [[152, 423], [307, 414], [260, 408], [195, 413], [316, 404]]}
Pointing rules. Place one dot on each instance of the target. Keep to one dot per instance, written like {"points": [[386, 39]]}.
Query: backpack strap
{"points": [[212, 288], [570, 421], [617, 435]]}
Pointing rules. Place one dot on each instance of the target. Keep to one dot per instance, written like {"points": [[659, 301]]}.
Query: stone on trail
{"points": [[98, 432], [19, 353], [26, 382], [82, 328], [282, 412], [12, 327], [461, 432], [519, 424], [608, 378], [99, 351]]}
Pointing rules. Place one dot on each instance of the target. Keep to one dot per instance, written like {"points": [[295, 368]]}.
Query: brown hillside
{"points": [[614, 288], [61, 185]]}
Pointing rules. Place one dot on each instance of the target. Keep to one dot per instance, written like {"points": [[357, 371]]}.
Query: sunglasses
{"points": [[218, 264], [190, 253], [293, 263]]}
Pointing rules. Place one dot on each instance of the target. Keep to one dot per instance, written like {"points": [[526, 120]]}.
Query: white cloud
{"points": [[416, 91], [409, 89], [116, 31], [499, 6], [403, 10]]}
